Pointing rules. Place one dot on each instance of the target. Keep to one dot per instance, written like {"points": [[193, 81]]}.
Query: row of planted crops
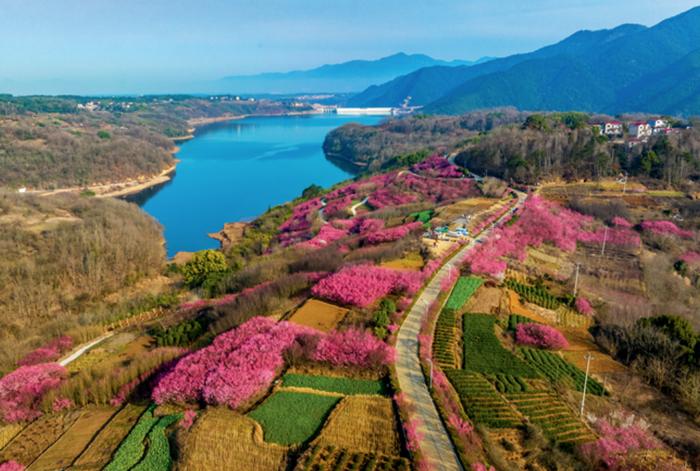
{"points": [[503, 387]]}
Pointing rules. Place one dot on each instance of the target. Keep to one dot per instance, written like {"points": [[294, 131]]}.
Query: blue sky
{"points": [[137, 46]]}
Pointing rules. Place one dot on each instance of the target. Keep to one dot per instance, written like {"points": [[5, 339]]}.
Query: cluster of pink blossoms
{"points": [[583, 306], [236, 366], [691, 258], [362, 285], [541, 336], [539, 222], [353, 347], [50, 352], [392, 234], [11, 465], [666, 228], [22, 390], [621, 222], [437, 167], [325, 236], [493, 217], [617, 442], [244, 361], [296, 228]]}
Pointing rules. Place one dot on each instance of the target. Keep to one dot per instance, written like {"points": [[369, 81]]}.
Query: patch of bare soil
{"points": [[229, 235]]}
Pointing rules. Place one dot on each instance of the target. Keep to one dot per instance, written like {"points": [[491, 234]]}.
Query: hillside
{"points": [[627, 69], [61, 256], [350, 76], [429, 84]]}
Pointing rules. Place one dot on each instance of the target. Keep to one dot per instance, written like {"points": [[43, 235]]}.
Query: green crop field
{"points": [[347, 386], [158, 454], [515, 319], [555, 368], [445, 339], [557, 421], [483, 352], [289, 417], [464, 289], [534, 294], [508, 383], [482, 403]]}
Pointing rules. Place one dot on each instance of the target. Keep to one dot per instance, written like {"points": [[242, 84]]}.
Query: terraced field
{"points": [[555, 368], [482, 403], [333, 384], [483, 352], [556, 419], [445, 340]]}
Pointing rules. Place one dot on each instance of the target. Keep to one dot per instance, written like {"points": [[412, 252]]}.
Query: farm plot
{"points": [[99, 452], [555, 368], [37, 437], [72, 443], [508, 383], [8, 432], [557, 421], [223, 439], [319, 315], [445, 340], [362, 424], [132, 452], [289, 417], [411, 261], [334, 384], [464, 289], [534, 294], [321, 457], [483, 352], [487, 300], [515, 319], [482, 403]]}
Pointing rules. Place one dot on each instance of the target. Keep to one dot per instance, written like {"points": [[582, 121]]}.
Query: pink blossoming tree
{"points": [[22, 390], [540, 336]]}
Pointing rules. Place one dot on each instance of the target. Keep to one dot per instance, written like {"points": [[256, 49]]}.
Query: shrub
{"points": [[584, 306], [539, 335], [22, 390], [203, 264], [392, 234]]}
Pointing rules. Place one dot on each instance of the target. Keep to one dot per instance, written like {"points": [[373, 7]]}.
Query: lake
{"points": [[236, 170]]}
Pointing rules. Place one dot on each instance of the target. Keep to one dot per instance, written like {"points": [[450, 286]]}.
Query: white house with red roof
{"points": [[640, 130]]}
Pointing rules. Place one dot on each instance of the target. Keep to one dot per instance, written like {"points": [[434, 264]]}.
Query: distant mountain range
{"points": [[631, 68], [352, 76]]}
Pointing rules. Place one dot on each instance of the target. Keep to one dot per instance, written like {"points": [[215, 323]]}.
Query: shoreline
{"points": [[134, 186]]}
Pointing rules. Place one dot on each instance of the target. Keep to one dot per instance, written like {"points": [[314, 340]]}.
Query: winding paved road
{"points": [[436, 445]]}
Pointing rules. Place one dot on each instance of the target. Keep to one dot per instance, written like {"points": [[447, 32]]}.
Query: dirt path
{"points": [[436, 444], [354, 207], [74, 355]]}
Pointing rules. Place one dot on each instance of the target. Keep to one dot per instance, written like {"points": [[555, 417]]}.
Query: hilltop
{"points": [[626, 69]]}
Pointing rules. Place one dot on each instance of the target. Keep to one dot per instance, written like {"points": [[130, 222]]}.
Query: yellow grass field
{"points": [[446, 214], [100, 450], [72, 443], [37, 437], [362, 423], [319, 315], [223, 439], [580, 343], [438, 248], [8, 432], [412, 261]]}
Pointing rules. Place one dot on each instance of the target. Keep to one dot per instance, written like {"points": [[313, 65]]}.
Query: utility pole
{"points": [[605, 239], [578, 265], [585, 381]]}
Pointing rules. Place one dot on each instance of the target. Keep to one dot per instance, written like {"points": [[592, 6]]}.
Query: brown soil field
{"points": [[37, 437], [412, 261], [580, 343], [99, 451], [516, 307], [319, 315], [446, 214], [72, 443], [362, 423], [223, 439], [438, 248], [487, 300]]}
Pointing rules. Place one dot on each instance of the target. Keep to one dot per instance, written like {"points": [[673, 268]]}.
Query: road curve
{"points": [[436, 445]]}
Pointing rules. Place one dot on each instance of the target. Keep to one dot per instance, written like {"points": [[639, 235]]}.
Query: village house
{"points": [[640, 130], [609, 128], [659, 126]]}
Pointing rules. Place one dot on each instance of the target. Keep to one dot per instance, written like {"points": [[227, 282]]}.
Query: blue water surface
{"points": [[236, 170]]}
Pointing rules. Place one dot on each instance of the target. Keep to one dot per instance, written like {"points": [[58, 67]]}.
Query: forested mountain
{"points": [[349, 76], [628, 69]]}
